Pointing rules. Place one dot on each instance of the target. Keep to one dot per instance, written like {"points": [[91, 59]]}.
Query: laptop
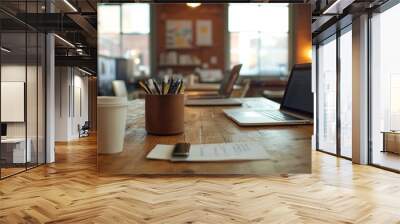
{"points": [[296, 108], [225, 91]]}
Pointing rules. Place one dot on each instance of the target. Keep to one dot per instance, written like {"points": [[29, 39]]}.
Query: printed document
{"points": [[213, 152]]}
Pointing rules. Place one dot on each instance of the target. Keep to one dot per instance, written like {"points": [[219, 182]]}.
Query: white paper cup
{"points": [[111, 124]]}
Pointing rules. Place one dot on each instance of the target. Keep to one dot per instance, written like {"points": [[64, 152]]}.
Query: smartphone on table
{"points": [[181, 150]]}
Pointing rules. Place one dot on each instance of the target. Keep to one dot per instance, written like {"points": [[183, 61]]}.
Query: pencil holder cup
{"points": [[164, 114]]}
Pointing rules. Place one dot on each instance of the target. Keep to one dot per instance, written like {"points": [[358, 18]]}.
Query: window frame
{"points": [[333, 33]]}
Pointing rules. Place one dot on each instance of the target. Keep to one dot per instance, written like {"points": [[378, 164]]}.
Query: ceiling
{"points": [[74, 22]]}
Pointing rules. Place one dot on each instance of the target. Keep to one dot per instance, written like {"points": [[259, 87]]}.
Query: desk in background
{"points": [[13, 150], [391, 141], [290, 146], [210, 89]]}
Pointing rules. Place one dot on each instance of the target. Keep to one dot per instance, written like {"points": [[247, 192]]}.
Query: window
{"points": [[259, 38], [136, 36], [334, 106], [135, 18], [385, 87], [327, 96], [346, 94], [125, 34], [109, 19], [109, 25]]}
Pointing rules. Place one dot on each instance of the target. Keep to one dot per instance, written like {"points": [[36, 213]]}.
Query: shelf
{"points": [[181, 49], [182, 66]]}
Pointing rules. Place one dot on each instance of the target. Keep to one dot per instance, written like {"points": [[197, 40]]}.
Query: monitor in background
{"points": [[3, 130], [298, 94]]}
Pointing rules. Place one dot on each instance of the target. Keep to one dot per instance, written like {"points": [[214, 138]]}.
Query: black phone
{"points": [[181, 150]]}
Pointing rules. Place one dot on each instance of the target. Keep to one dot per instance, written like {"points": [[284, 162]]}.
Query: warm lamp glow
{"points": [[309, 54], [193, 5]]}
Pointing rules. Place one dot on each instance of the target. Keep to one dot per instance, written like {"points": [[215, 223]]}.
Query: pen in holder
{"points": [[164, 114]]}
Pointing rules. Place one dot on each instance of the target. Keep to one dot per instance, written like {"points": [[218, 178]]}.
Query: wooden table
{"points": [[290, 146]]}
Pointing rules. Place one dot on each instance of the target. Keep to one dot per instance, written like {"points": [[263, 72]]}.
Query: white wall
{"points": [[71, 102], [62, 82], [80, 109]]}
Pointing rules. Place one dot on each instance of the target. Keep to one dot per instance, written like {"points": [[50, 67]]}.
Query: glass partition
{"points": [[15, 149], [22, 92]]}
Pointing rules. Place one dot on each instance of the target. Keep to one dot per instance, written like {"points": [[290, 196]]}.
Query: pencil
{"points": [[182, 89], [157, 87], [144, 87]]}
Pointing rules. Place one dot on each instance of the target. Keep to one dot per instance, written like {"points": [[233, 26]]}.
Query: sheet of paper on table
{"points": [[213, 152]]}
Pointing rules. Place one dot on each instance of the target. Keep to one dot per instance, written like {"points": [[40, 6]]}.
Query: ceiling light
{"points": [[5, 50], [65, 41], [137, 61], [84, 71], [193, 5], [70, 5]]}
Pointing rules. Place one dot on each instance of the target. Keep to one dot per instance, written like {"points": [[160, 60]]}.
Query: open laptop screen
{"points": [[298, 95], [229, 81]]}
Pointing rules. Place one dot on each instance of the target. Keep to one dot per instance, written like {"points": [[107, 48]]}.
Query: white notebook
{"points": [[213, 152]]}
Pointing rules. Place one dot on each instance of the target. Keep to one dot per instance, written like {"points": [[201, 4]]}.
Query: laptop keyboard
{"points": [[279, 116]]}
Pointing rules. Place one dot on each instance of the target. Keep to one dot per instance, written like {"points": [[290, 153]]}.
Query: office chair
{"points": [[84, 130]]}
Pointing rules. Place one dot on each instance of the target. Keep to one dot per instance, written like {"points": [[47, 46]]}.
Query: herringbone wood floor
{"points": [[70, 191]]}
